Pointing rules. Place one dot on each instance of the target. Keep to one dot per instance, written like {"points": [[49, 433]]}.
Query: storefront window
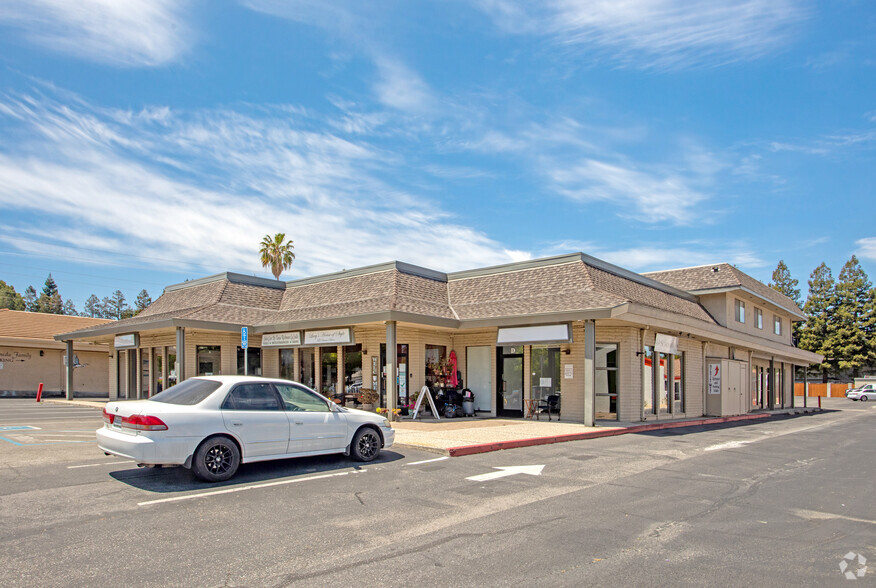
{"points": [[308, 367], [401, 354], [208, 357], [648, 380], [436, 365], [545, 367], [606, 381], [171, 367], [329, 371], [287, 364], [253, 361], [352, 369]]}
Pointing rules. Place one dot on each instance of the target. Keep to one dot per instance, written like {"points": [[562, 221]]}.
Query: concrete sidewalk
{"points": [[470, 436]]}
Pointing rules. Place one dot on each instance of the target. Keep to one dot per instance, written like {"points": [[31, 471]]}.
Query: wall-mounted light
{"points": [[42, 353]]}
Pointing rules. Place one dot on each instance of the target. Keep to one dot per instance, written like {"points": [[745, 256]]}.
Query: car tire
{"points": [[216, 459], [863, 398], [366, 444]]}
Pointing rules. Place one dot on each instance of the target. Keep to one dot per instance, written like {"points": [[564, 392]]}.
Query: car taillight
{"points": [[107, 417], [143, 423]]}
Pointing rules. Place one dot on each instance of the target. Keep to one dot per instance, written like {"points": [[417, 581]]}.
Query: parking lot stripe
{"points": [[92, 465], [428, 460], [251, 487]]}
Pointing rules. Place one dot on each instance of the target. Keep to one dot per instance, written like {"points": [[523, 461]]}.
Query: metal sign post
{"points": [[244, 343]]}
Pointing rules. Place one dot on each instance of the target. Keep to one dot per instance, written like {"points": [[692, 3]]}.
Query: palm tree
{"points": [[277, 254]]}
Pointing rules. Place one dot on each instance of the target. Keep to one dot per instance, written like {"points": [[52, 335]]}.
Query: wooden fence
{"points": [[834, 390]]}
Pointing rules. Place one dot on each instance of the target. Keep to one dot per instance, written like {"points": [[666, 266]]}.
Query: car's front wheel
{"points": [[365, 445], [216, 459]]}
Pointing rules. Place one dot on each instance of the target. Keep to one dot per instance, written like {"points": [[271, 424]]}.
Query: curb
{"points": [[500, 445], [88, 403]]}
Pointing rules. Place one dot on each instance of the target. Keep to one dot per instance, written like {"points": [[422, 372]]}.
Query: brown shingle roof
{"points": [[39, 325], [722, 275]]}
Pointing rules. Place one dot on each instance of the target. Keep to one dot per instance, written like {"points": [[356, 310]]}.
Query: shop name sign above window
{"points": [[281, 339], [666, 344], [329, 337], [539, 334], [130, 341]]}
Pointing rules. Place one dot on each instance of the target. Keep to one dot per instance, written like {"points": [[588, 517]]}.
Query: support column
{"points": [[340, 388], [317, 369], [391, 366], [164, 369], [69, 372], [771, 385], [180, 354], [793, 384], [589, 373]]}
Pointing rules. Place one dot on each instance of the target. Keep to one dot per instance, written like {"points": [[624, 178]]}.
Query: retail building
{"points": [[30, 355], [611, 343]]}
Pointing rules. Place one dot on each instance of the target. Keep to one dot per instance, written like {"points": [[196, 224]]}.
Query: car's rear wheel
{"points": [[216, 459], [365, 445], [863, 397]]}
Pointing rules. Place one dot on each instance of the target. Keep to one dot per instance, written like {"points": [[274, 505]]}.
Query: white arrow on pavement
{"points": [[530, 470]]}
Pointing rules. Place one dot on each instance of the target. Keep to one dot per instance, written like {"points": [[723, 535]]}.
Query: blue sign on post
{"points": [[244, 344]]}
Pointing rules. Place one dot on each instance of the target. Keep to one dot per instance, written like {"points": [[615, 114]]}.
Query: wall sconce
{"points": [[42, 353], [567, 350]]}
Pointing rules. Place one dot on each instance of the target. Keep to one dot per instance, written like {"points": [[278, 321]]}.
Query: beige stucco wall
{"points": [[24, 368]]}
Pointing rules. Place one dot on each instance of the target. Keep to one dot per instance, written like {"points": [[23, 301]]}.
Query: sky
{"points": [[147, 142]]}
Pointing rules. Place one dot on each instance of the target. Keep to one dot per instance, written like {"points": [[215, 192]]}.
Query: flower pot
{"points": [[367, 407]]}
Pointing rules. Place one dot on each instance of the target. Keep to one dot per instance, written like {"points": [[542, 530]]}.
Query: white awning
{"points": [[537, 335]]}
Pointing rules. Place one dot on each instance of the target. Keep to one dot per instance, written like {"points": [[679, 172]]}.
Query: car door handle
{"points": [[237, 424], [299, 422]]}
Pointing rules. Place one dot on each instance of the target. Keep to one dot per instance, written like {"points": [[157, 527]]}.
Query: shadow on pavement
{"points": [[691, 430], [179, 479]]}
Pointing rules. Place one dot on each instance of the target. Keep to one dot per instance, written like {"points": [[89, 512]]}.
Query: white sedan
{"points": [[213, 424]]}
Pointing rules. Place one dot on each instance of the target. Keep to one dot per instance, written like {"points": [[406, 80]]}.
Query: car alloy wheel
{"points": [[218, 459], [366, 445]]}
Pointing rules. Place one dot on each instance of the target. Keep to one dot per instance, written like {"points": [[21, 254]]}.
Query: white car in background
{"points": [[865, 392], [213, 424]]}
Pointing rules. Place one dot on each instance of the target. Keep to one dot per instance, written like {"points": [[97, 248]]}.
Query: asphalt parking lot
{"points": [[779, 502]]}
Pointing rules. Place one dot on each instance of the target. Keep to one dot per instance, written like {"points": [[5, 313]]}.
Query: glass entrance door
{"points": [[509, 401]]}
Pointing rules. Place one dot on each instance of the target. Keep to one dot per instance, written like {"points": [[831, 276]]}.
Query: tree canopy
{"points": [[276, 253]]}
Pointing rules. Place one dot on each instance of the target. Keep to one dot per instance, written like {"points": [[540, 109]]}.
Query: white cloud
{"points": [[649, 197], [664, 34], [866, 247], [126, 33], [662, 256], [211, 184], [401, 88]]}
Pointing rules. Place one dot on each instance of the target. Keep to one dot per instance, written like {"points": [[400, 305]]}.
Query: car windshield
{"points": [[187, 393]]}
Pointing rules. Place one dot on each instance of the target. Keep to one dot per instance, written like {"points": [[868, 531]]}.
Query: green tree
{"points": [[9, 298], [851, 339], [816, 334], [116, 306], [277, 254], [30, 299], [93, 307], [70, 308], [783, 283], [143, 300], [50, 300]]}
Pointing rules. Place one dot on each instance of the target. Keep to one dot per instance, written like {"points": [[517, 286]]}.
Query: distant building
{"points": [[29, 354]]}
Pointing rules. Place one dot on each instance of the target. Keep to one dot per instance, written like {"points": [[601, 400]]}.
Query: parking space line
{"points": [[251, 487], [92, 465], [428, 460]]}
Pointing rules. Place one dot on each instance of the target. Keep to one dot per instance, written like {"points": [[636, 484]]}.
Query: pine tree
{"points": [[50, 288], [30, 299], [9, 298], [50, 300], [92, 307], [854, 319], [70, 308], [143, 300], [816, 333], [783, 283], [116, 306]]}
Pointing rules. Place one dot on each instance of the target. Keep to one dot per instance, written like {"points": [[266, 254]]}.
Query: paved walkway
{"points": [[468, 436]]}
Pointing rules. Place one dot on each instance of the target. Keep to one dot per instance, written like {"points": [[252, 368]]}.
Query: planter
{"points": [[367, 407]]}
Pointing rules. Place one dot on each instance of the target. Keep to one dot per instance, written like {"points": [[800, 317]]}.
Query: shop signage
{"points": [[281, 339], [329, 337], [714, 378], [569, 371], [131, 341], [534, 335], [666, 344]]}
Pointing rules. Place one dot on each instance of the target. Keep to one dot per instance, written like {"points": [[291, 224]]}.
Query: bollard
{"points": [[819, 402], [40, 392]]}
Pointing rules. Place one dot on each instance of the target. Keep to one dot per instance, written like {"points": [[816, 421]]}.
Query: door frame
{"points": [[500, 356]]}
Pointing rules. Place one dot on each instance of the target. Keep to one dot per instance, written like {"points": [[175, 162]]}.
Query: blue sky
{"points": [[146, 142]]}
